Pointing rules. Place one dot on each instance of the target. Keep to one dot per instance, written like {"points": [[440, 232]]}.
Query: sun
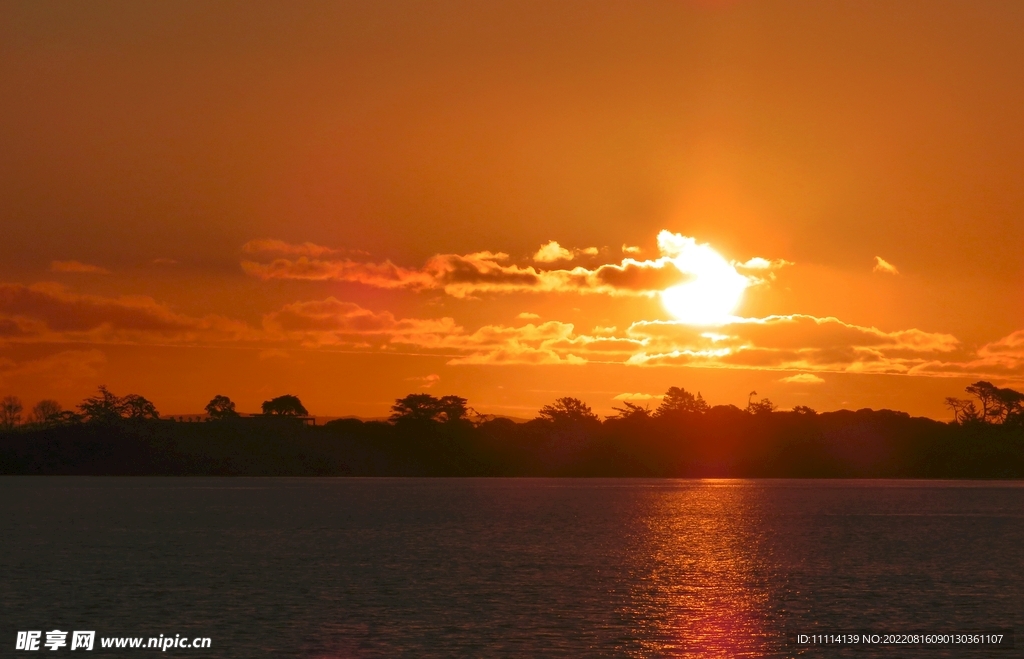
{"points": [[714, 290]]}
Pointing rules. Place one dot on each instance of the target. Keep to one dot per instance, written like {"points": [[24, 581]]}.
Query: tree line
{"points": [[990, 405], [106, 407], [427, 435]]}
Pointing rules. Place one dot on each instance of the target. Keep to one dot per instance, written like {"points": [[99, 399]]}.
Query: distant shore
{"points": [[722, 442]]}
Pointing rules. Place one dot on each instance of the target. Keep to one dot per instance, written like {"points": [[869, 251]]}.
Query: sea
{"points": [[513, 567]]}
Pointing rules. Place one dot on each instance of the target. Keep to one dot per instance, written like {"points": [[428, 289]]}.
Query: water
{"points": [[335, 567]]}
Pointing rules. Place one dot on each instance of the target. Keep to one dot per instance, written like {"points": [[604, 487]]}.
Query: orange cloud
{"points": [[793, 342], [264, 245], [379, 275], [77, 267], [333, 322], [881, 265], [556, 342], [803, 378], [551, 252], [1003, 358], [639, 276], [786, 343], [810, 345], [758, 263], [467, 275], [51, 313], [490, 272], [426, 381], [638, 396], [518, 354], [760, 270], [337, 323], [551, 342], [57, 369]]}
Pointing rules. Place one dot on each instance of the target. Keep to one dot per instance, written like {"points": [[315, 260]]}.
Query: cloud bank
{"points": [[468, 275]]}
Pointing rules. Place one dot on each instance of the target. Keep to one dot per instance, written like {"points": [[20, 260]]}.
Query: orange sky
{"points": [[345, 202]]}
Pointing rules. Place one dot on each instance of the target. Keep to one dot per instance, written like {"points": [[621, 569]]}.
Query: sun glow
{"points": [[715, 289]]}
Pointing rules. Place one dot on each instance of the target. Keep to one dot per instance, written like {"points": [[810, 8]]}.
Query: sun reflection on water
{"points": [[701, 588]]}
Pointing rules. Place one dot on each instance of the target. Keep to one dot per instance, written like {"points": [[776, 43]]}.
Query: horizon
{"points": [[990, 397], [515, 203]]}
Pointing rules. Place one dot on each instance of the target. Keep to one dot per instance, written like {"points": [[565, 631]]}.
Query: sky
{"points": [[511, 202]]}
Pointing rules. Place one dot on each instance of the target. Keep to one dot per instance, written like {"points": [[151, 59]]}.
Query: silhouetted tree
{"points": [[135, 406], [50, 413], [997, 404], [420, 408], [104, 407], [964, 411], [567, 410], [45, 411], [107, 407], [631, 412], [452, 409], [221, 407], [286, 405], [424, 408], [803, 409], [677, 399], [987, 394], [764, 406], [1011, 404], [10, 412]]}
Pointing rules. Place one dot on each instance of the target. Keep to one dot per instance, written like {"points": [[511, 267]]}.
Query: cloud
{"points": [[463, 276], [630, 249], [881, 265], [792, 342], [264, 245], [628, 396], [551, 252], [999, 359], [758, 263], [527, 315], [77, 267], [379, 275], [639, 276], [701, 260], [468, 275], [551, 342], [780, 343], [803, 378], [517, 354], [760, 270], [1009, 349], [809, 345], [333, 322], [52, 313], [58, 369], [426, 381]]}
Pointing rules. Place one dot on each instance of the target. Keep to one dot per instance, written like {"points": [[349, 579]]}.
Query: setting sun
{"points": [[714, 291]]}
